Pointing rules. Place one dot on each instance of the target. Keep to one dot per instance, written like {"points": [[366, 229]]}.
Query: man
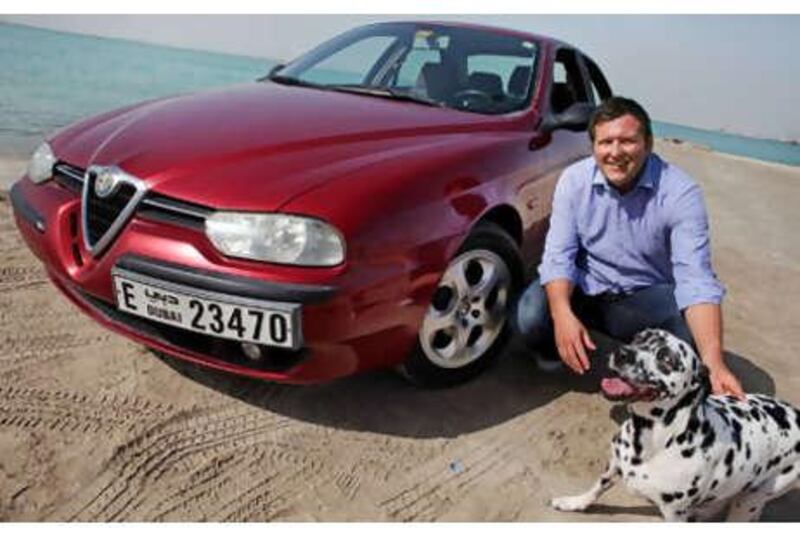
{"points": [[628, 248]]}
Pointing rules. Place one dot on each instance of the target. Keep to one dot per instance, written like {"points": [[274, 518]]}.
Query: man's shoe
{"points": [[548, 360]]}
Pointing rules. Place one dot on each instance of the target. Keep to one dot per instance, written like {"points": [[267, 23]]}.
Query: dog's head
{"points": [[655, 367]]}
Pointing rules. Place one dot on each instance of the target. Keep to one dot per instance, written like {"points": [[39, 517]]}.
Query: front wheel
{"points": [[464, 328]]}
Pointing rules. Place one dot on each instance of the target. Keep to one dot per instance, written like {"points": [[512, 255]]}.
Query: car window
{"points": [[559, 73], [410, 71], [597, 82], [596, 98], [568, 83], [347, 66], [468, 69], [514, 72]]}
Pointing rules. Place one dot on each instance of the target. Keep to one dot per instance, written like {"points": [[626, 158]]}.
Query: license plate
{"points": [[218, 315]]}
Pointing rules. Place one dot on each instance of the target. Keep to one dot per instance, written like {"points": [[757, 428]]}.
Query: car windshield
{"points": [[468, 69]]}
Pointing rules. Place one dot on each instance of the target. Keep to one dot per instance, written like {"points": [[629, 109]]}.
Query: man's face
{"points": [[620, 149]]}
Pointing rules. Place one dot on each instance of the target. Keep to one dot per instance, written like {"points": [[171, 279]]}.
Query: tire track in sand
{"points": [[260, 483], [19, 352], [442, 486], [60, 411], [16, 277], [41, 307], [10, 239], [177, 447]]}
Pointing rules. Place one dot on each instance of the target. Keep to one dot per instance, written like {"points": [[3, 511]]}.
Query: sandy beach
{"points": [[11, 168], [96, 428]]}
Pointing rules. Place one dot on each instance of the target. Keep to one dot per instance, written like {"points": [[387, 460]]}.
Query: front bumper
{"points": [[353, 319]]}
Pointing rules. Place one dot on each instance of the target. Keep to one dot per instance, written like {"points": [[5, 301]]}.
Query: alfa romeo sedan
{"points": [[375, 203]]}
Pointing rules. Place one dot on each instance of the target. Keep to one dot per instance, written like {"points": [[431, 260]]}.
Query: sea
{"points": [[49, 79]]}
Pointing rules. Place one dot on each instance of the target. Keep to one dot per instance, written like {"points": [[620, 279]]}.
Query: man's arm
{"points": [[698, 292], [571, 336], [558, 274], [705, 323]]}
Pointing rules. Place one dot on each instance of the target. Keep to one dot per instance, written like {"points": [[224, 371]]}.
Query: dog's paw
{"points": [[570, 503]]}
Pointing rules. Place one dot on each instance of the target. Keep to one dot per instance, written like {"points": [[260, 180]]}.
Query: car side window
{"points": [[347, 65], [600, 88], [568, 83]]}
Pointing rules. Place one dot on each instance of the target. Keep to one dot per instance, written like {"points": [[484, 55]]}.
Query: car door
{"points": [[569, 84]]}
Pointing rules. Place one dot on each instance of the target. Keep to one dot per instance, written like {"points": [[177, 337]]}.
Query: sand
{"points": [[11, 168], [94, 427]]}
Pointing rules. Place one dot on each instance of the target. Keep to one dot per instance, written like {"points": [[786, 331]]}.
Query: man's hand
{"points": [[572, 340], [705, 323], [724, 382]]}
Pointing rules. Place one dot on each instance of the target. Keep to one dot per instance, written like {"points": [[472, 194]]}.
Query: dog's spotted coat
{"points": [[690, 453]]}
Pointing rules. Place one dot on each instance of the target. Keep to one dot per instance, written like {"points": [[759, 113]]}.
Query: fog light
{"points": [[254, 352]]}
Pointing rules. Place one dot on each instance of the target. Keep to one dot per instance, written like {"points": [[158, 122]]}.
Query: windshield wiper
{"points": [[381, 92], [414, 97], [385, 92], [297, 82]]}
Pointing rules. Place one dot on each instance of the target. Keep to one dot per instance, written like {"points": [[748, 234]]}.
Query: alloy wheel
{"points": [[468, 309]]}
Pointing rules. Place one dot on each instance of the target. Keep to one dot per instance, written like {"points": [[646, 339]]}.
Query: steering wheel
{"points": [[465, 97]]}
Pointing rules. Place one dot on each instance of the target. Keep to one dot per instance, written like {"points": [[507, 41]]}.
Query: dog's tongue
{"points": [[616, 387]]}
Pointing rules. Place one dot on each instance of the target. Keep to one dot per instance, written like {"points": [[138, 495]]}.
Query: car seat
{"points": [[489, 83], [519, 81]]}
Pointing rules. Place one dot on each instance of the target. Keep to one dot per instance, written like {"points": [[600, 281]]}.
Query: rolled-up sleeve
{"points": [[695, 281], [561, 243]]}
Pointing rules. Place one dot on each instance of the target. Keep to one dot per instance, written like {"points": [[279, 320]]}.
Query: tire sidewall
{"points": [[418, 367]]}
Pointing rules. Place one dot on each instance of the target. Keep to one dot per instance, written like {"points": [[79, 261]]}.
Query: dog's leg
{"points": [[748, 506], [674, 513], [710, 511], [582, 501]]}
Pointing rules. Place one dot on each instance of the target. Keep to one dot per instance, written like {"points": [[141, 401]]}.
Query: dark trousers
{"points": [[619, 316]]}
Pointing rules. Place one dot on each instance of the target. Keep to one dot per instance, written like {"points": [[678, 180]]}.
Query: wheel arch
{"points": [[507, 218]]}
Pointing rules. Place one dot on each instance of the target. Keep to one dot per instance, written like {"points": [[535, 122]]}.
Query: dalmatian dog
{"points": [[692, 454]]}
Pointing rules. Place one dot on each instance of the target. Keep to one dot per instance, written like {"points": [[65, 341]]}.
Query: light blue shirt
{"points": [[657, 233]]}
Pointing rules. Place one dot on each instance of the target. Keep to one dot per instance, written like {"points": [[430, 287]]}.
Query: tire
{"points": [[465, 326]]}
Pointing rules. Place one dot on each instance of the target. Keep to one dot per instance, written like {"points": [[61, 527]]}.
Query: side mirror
{"points": [[574, 118], [272, 71]]}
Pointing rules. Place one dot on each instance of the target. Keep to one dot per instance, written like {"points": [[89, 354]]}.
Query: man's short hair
{"points": [[618, 106]]}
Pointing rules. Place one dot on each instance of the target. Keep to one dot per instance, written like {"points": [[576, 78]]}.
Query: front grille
{"points": [[165, 209], [154, 206], [101, 213], [104, 217], [69, 176]]}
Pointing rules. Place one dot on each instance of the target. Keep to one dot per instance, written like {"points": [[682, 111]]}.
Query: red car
{"points": [[375, 203]]}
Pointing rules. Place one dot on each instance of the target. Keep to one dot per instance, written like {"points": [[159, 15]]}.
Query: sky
{"points": [[737, 73]]}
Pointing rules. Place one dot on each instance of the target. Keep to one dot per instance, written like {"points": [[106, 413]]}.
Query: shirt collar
{"points": [[647, 178]]}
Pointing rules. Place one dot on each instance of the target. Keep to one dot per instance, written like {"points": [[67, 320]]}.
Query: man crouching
{"points": [[627, 249]]}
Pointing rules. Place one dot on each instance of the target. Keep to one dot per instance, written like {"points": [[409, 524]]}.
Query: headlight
{"points": [[275, 238], [40, 167]]}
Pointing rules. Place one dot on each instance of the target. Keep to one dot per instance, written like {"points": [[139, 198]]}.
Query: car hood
{"points": [[257, 146]]}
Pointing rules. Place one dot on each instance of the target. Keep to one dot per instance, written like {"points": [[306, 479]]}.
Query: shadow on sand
{"points": [[636, 510], [784, 509], [382, 402], [511, 388]]}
